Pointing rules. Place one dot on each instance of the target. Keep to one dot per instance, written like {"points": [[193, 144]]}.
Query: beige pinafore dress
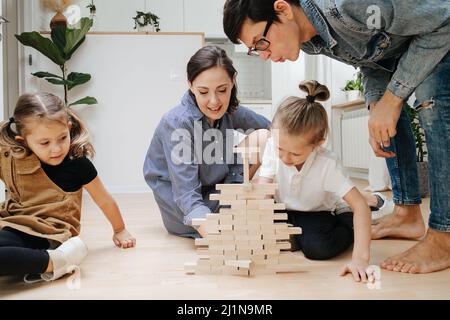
{"points": [[35, 204]]}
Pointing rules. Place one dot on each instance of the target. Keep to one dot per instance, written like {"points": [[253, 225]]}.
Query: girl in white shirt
{"points": [[312, 185]]}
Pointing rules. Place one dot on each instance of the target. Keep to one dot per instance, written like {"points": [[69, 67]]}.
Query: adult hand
{"points": [[378, 150], [383, 118]]}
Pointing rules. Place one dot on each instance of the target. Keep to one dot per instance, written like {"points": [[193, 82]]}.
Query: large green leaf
{"points": [[58, 82], [75, 36], [58, 35], [41, 44], [76, 79], [86, 100], [42, 74]]}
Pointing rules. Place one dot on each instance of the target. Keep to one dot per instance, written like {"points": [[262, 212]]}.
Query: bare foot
{"points": [[429, 255], [404, 222]]}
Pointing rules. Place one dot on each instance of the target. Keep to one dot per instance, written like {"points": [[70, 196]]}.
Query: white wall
{"points": [[2, 185], [136, 79]]}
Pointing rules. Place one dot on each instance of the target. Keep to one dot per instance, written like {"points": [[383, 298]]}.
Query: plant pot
{"points": [[146, 28], [423, 179], [58, 20], [353, 95]]}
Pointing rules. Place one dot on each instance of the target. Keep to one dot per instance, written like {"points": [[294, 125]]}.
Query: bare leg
{"points": [[406, 222], [50, 266], [429, 255]]}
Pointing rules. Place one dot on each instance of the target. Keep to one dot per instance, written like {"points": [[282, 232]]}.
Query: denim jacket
{"points": [[395, 52]]}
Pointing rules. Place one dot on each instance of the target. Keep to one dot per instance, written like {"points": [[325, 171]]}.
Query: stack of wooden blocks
{"points": [[245, 239]]}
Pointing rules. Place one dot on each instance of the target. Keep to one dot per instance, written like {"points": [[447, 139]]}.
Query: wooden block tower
{"points": [[248, 238]]}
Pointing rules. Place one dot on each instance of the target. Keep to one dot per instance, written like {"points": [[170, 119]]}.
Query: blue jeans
{"points": [[433, 104]]}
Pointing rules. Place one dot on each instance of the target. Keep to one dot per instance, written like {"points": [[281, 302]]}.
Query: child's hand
{"points": [[124, 239], [358, 268]]}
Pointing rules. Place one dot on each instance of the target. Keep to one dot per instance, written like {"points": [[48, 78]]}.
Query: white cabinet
{"points": [[204, 16]]}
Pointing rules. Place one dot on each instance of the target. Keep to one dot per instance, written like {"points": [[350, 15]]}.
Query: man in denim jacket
{"points": [[401, 46]]}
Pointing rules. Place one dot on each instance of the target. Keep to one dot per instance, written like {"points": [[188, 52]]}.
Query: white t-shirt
{"points": [[319, 186]]}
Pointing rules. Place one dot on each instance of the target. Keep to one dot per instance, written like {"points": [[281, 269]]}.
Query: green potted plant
{"points": [[419, 137], [59, 49], [92, 8], [146, 21], [354, 89]]}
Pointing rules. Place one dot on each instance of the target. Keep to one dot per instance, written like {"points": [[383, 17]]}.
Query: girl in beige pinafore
{"points": [[44, 165]]}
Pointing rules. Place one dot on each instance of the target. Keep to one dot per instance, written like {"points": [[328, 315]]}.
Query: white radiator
{"points": [[355, 139]]}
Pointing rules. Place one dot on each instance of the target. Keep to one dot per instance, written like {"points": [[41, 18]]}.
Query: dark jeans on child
{"points": [[21, 253], [324, 235]]}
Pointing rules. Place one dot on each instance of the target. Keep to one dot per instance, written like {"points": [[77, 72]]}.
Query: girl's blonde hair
{"points": [[44, 106], [305, 116]]}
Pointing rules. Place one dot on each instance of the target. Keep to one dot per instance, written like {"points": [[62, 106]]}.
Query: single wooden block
{"points": [[282, 237], [198, 221], [295, 230], [212, 216], [258, 257], [217, 263], [239, 219], [212, 229], [203, 262], [225, 227], [225, 211], [238, 263], [280, 206], [258, 252], [238, 188], [280, 226], [280, 216], [229, 242], [244, 247], [220, 197], [203, 270], [235, 204], [214, 252], [283, 245], [230, 256], [201, 242], [250, 196], [230, 252], [226, 220], [189, 267], [244, 256], [268, 228], [244, 251], [267, 236], [223, 247]]}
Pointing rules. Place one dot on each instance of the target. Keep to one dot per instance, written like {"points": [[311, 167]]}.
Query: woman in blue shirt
{"points": [[191, 150]]}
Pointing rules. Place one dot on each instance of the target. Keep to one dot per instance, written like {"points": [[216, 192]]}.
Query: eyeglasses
{"points": [[262, 44]]}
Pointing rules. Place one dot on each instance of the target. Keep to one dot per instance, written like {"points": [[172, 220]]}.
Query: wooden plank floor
{"points": [[154, 269]]}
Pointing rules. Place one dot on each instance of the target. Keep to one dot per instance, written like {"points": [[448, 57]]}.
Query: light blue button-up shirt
{"points": [[181, 185]]}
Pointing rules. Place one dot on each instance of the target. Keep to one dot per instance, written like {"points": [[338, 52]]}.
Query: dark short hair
{"points": [[236, 11], [209, 57]]}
